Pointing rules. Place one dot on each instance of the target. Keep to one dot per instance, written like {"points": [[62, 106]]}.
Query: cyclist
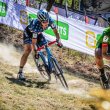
{"points": [[102, 51], [33, 34]]}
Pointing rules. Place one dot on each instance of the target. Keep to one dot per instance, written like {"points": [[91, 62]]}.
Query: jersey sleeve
{"points": [[52, 23], [32, 26]]}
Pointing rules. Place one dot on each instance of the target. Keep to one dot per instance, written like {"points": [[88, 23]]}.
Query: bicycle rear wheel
{"points": [[59, 73], [42, 68], [107, 73]]}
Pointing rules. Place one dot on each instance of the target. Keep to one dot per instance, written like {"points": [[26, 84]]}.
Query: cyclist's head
{"points": [[43, 16]]}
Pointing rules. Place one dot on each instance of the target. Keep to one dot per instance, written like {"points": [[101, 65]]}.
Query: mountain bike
{"points": [[107, 73], [48, 64]]}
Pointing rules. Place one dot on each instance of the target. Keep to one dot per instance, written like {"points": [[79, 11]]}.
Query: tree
{"points": [[61, 1], [49, 4], [69, 3], [72, 5]]}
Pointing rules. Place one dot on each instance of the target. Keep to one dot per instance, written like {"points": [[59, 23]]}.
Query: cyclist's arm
{"points": [[53, 26], [56, 33], [32, 25]]}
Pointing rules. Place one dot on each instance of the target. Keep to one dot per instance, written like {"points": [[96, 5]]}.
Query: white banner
{"points": [[74, 34]]}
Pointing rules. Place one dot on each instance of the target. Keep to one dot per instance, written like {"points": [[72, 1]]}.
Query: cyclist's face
{"points": [[45, 24]]}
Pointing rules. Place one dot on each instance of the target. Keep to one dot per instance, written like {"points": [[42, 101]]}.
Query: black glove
{"points": [[59, 44]]}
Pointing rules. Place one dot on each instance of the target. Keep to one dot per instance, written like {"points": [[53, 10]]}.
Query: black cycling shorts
{"points": [[27, 36], [100, 46]]}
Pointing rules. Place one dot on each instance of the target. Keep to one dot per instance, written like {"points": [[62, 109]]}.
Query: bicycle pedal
{"points": [[40, 69]]}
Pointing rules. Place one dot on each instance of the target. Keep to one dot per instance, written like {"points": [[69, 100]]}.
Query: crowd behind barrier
{"points": [[61, 11], [75, 34], [71, 14]]}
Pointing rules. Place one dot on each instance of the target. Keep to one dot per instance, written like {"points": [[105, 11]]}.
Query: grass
{"points": [[34, 93]]}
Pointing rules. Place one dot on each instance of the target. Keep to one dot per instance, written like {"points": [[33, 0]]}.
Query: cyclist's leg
{"points": [[108, 49], [41, 40], [99, 57], [39, 43], [108, 54], [27, 49], [100, 63]]}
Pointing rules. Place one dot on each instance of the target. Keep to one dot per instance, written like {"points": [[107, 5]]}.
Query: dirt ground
{"points": [[81, 64], [35, 94]]}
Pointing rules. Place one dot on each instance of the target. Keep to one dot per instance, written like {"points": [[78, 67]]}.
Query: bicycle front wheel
{"points": [[59, 73], [42, 68], [107, 73]]}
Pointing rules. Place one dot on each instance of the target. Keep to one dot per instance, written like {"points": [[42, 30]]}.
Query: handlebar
{"points": [[48, 44]]}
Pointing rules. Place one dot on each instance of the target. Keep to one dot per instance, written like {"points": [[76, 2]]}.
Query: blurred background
{"points": [[89, 11]]}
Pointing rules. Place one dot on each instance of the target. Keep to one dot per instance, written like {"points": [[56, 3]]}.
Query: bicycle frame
{"points": [[51, 65], [49, 55]]}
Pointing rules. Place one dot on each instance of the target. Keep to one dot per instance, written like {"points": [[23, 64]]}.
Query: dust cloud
{"points": [[10, 55]]}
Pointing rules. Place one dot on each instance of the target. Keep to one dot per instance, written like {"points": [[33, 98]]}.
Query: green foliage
{"points": [[69, 3], [64, 2], [57, 1], [40, 1]]}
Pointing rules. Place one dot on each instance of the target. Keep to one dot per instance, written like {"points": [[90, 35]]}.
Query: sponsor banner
{"points": [[3, 9], [74, 34], [63, 29]]}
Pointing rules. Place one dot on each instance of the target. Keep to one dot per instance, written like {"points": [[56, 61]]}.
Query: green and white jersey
{"points": [[104, 38]]}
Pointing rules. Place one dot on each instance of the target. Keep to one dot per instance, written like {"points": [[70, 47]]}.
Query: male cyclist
{"points": [[103, 51], [33, 34]]}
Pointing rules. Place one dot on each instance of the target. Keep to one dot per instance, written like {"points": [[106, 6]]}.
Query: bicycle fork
{"points": [[49, 56]]}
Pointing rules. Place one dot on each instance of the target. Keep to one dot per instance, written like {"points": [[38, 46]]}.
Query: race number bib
{"points": [[53, 26], [105, 39], [34, 35]]}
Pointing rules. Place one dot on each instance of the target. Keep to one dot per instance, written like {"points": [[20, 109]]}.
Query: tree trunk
{"points": [[61, 1], [49, 4], [72, 6]]}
